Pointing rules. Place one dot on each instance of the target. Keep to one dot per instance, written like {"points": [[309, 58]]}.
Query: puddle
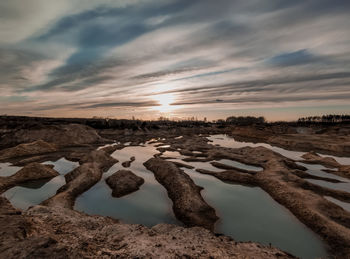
{"points": [[164, 146], [250, 214], [63, 166], [316, 170], [240, 165], [226, 141], [246, 213], [148, 206], [33, 193], [336, 186], [344, 205], [108, 145], [29, 194], [7, 169]]}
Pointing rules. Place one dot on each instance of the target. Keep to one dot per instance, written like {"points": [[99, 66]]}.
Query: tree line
{"points": [[331, 118]]}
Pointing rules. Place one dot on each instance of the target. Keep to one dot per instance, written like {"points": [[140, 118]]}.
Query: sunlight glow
{"points": [[165, 101]]}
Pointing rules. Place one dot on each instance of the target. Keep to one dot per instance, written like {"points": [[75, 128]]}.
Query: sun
{"points": [[165, 101]]}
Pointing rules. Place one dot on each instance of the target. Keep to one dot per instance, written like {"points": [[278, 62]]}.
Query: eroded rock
{"points": [[81, 179], [102, 158], [29, 149], [85, 176], [188, 204], [124, 182], [61, 135], [30, 172]]}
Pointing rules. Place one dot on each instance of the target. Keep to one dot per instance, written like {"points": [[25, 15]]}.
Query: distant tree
{"points": [[325, 119], [248, 120]]}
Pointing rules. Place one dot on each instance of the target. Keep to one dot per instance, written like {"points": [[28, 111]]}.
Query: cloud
{"points": [[300, 57], [76, 55], [123, 104]]}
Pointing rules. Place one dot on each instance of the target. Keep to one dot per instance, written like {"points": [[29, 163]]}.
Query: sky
{"points": [[175, 58]]}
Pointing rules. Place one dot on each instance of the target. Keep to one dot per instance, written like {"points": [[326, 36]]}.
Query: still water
{"points": [[246, 213], [33, 193], [317, 170], [148, 206]]}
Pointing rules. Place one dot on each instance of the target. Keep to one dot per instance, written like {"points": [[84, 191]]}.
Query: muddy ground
{"points": [[53, 228]]}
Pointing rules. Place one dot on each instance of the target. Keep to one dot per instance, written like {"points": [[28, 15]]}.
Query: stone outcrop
{"points": [[124, 182], [30, 172], [188, 204], [329, 142], [61, 135], [102, 158], [29, 149]]}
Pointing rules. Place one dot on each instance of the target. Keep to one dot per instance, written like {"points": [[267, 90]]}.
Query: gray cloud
{"points": [[197, 51]]}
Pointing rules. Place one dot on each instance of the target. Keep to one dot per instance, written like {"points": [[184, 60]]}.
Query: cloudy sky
{"points": [[175, 58]]}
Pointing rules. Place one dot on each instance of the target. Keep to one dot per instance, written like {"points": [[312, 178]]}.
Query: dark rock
{"points": [[128, 163], [124, 182]]}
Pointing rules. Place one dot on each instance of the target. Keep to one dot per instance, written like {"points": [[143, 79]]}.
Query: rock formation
{"points": [[188, 204], [124, 182], [28, 149], [31, 172]]}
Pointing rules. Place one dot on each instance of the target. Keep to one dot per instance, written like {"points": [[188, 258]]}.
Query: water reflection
{"points": [[316, 170], [245, 213], [148, 206], [33, 193], [7, 169], [344, 205], [226, 141], [63, 166], [250, 214], [240, 165]]}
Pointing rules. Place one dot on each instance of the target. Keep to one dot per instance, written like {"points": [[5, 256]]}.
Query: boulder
{"points": [[128, 163], [103, 159], [124, 182]]}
